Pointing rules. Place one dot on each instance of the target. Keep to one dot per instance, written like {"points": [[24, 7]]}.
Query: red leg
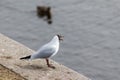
{"points": [[47, 60]]}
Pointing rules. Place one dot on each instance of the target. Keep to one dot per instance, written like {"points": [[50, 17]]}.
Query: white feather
{"points": [[47, 50]]}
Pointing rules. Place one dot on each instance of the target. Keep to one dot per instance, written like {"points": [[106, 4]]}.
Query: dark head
{"points": [[60, 37], [48, 8]]}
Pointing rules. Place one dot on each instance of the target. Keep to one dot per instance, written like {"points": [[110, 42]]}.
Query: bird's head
{"points": [[60, 37]]}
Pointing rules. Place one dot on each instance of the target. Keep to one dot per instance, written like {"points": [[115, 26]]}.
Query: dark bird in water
{"points": [[43, 11]]}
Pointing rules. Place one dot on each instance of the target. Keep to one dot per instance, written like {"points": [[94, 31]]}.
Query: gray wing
{"points": [[45, 52]]}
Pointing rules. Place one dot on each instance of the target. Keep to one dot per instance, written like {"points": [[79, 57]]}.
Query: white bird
{"points": [[46, 51]]}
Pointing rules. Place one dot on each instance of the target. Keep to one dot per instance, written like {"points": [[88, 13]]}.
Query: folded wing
{"points": [[44, 53]]}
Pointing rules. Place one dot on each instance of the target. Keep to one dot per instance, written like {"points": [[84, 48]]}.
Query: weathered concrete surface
{"points": [[7, 74], [11, 51]]}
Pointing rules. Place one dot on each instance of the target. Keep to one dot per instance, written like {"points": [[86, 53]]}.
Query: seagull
{"points": [[46, 51]]}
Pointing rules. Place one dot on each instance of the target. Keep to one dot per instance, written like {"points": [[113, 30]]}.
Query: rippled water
{"points": [[91, 28]]}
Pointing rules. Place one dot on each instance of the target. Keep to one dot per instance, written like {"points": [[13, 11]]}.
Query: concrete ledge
{"points": [[11, 51]]}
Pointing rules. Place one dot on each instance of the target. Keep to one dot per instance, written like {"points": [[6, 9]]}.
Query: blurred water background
{"points": [[91, 28]]}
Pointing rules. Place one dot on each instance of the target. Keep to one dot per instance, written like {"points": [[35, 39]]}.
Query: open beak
{"points": [[61, 38]]}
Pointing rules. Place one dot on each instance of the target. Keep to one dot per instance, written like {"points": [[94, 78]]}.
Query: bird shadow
{"points": [[34, 67]]}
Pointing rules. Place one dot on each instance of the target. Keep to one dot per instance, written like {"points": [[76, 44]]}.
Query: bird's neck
{"points": [[55, 41]]}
